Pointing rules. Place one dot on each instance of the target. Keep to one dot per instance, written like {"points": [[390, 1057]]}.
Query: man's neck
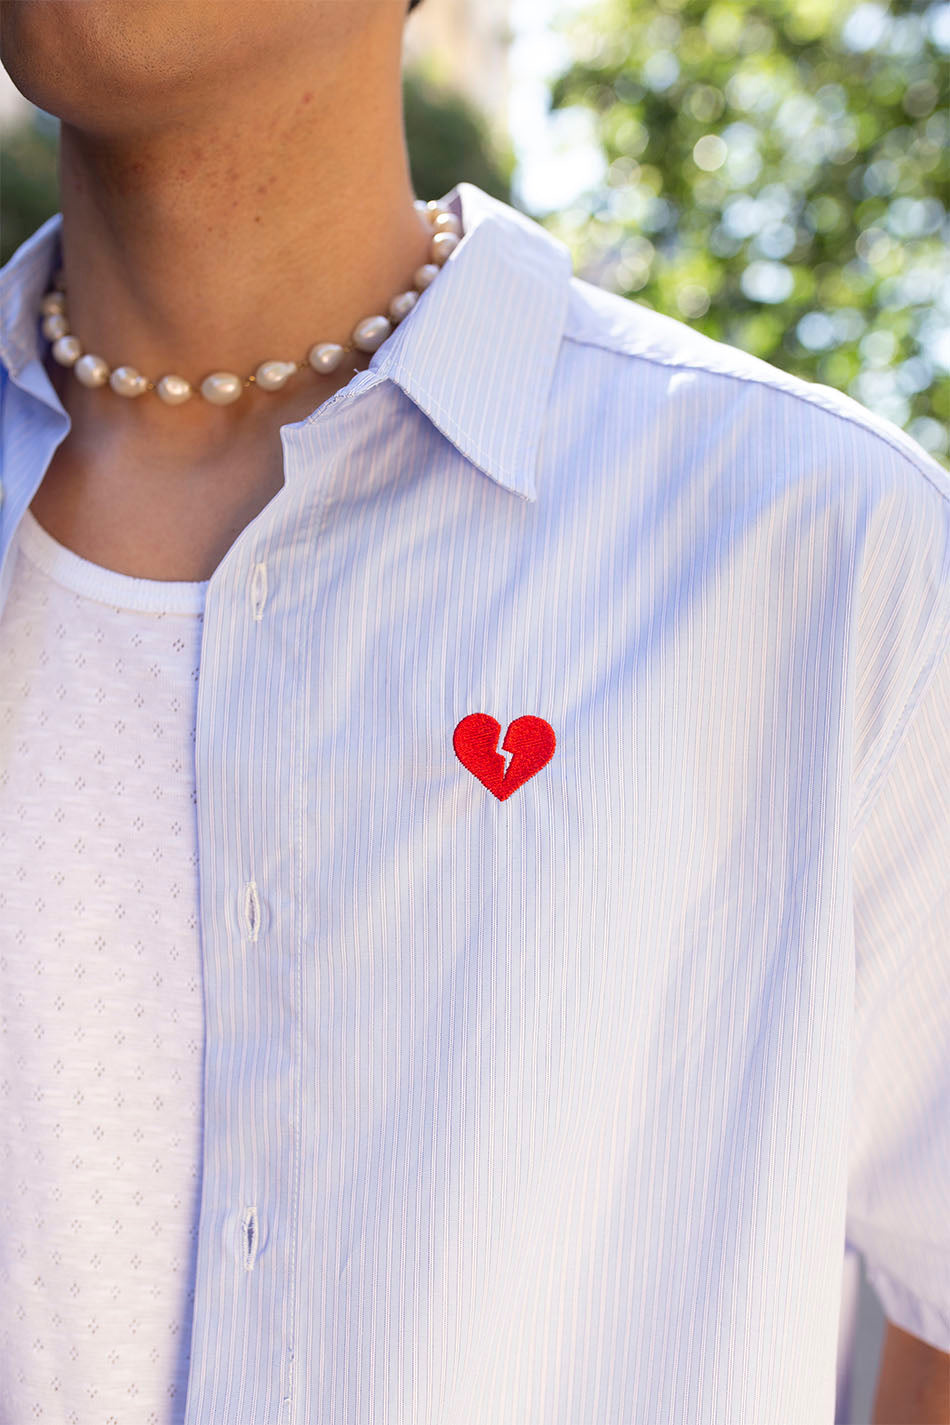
{"points": [[216, 242]]}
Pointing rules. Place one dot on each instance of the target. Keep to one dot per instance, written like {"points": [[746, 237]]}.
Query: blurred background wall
{"points": [[776, 173], [466, 46]]}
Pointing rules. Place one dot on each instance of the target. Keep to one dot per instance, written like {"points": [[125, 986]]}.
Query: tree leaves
{"points": [[777, 175]]}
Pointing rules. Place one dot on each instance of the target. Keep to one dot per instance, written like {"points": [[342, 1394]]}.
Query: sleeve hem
{"points": [[910, 1312]]}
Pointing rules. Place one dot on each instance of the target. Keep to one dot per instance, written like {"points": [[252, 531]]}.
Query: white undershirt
{"points": [[100, 990]]}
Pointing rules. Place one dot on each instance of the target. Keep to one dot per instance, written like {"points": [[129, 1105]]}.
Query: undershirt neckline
{"points": [[106, 586]]}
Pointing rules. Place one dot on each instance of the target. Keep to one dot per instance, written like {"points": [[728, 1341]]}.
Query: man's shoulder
{"points": [[640, 356]]}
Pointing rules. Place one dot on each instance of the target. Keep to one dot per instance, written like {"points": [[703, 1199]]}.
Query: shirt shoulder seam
{"points": [[779, 391]]}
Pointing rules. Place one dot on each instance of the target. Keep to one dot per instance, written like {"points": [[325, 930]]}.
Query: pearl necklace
{"points": [[223, 387]]}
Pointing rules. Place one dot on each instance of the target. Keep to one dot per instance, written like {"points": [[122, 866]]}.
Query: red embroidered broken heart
{"points": [[529, 739]]}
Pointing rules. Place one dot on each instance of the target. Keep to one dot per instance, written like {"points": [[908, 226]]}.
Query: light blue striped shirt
{"points": [[551, 1094]]}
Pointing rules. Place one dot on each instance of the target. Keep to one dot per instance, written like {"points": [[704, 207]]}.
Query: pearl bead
{"points": [[66, 350], [434, 208], [174, 390], [370, 334], [271, 375], [221, 388], [55, 326], [443, 245], [401, 306], [53, 302], [425, 276], [325, 357], [421, 206], [447, 223], [92, 370], [126, 381]]}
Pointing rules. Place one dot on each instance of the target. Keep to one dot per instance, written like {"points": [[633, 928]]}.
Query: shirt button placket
{"points": [[251, 914]]}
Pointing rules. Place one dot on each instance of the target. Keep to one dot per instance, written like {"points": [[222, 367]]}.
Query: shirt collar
{"points": [[477, 354], [23, 281]]}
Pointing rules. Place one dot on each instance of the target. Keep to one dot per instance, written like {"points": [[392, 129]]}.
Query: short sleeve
{"points": [[899, 1169]]}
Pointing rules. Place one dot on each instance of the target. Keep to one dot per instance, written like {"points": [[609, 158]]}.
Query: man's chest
{"points": [[544, 724], [451, 1030]]}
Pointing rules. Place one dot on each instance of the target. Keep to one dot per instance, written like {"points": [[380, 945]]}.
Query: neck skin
{"points": [[207, 246]]}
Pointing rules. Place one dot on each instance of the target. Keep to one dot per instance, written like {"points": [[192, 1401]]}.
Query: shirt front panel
{"points": [[504, 1085], [100, 986]]}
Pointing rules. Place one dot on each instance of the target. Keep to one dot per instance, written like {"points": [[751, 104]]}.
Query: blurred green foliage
{"points": [[448, 140], [28, 182], [446, 137], [777, 176]]}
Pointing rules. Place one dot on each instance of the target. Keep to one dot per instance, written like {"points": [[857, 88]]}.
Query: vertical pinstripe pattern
{"points": [[560, 1109]]}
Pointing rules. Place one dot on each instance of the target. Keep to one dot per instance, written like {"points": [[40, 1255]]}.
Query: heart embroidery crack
{"points": [[530, 740]]}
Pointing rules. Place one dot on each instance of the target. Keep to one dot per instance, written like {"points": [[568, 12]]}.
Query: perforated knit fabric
{"points": [[100, 992]]}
